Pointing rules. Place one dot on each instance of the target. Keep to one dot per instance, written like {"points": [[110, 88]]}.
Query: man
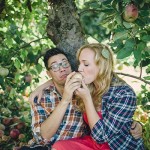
{"points": [[57, 117]]}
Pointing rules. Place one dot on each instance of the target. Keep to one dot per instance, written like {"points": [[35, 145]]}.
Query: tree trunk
{"points": [[64, 27]]}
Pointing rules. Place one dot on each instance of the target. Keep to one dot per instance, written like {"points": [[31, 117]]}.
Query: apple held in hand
{"points": [[78, 76], [130, 13]]}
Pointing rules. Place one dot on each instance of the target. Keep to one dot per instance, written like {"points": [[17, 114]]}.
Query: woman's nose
{"points": [[80, 68]]}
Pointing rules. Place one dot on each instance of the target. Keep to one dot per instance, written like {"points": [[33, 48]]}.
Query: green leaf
{"points": [[33, 72], [127, 25], [147, 78], [120, 35], [118, 19], [148, 70], [138, 52], [24, 54], [17, 76], [123, 53], [146, 38], [9, 42], [17, 63], [130, 43], [39, 68], [105, 53], [12, 93]]}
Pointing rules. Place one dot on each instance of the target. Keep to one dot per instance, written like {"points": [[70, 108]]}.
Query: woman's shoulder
{"points": [[119, 86], [122, 90]]}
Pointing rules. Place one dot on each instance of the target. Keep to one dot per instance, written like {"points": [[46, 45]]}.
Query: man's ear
{"points": [[48, 73]]}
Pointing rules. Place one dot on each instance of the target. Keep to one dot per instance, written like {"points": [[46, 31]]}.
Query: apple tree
{"points": [[28, 28]]}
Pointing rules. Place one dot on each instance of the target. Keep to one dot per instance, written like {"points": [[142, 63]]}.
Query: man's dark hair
{"points": [[52, 52]]}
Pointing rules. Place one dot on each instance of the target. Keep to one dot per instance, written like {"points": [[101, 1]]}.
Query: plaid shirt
{"points": [[72, 124], [118, 106]]}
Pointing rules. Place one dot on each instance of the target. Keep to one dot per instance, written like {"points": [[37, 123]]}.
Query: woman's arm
{"points": [[38, 92], [118, 107], [93, 118]]}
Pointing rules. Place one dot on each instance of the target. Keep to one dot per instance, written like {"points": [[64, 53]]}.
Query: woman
{"points": [[107, 102]]}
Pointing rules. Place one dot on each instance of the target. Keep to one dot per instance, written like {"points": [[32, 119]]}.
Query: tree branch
{"points": [[139, 78], [32, 42]]}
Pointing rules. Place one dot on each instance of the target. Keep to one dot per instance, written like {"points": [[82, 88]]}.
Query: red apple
{"points": [[28, 78], [7, 121], [130, 13], [20, 125], [14, 133]]}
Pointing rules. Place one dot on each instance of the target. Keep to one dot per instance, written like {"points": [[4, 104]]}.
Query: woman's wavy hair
{"points": [[104, 60]]}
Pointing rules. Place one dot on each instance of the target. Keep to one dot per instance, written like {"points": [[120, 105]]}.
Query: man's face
{"points": [[59, 68]]}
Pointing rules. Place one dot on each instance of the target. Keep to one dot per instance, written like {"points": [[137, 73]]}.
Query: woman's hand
{"points": [[38, 92], [83, 92], [136, 130]]}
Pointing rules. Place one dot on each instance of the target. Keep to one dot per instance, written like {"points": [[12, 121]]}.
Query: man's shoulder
{"points": [[50, 89]]}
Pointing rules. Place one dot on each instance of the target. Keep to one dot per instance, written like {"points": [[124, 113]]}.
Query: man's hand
{"points": [[71, 85], [38, 92], [136, 130]]}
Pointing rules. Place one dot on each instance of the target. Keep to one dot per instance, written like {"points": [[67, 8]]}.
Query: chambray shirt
{"points": [[72, 124], [118, 106]]}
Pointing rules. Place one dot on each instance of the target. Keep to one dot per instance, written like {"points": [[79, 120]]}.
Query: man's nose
{"points": [[61, 68]]}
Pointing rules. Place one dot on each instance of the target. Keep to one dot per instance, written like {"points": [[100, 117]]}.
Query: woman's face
{"points": [[87, 66]]}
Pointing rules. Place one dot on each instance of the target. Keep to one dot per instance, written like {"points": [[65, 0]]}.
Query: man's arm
{"points": [[49, 127], [52, 123]]}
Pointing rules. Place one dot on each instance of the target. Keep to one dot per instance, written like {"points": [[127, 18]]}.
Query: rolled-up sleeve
{"points": [[39, 115], [119, 111]]}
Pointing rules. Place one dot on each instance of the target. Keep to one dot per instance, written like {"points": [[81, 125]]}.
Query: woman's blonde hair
{"points": [[104, 60]]}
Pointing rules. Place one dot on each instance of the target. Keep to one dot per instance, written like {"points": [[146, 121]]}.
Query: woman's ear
{"points": [[48, 73]]}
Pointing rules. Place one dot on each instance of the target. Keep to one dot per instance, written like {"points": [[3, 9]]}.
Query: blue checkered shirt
{"points": [[118, 106]]}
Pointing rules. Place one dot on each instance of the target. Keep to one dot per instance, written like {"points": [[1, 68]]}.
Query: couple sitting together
{"points": [[88, 110]]}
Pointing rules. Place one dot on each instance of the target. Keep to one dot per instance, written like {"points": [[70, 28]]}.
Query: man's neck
{"points": [[60, 88]]}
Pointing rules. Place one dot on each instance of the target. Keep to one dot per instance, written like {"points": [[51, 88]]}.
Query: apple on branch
{"points": [[130, 13]]}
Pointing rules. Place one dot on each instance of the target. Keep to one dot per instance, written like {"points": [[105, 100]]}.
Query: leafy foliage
{"points": [[23, 40]]}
